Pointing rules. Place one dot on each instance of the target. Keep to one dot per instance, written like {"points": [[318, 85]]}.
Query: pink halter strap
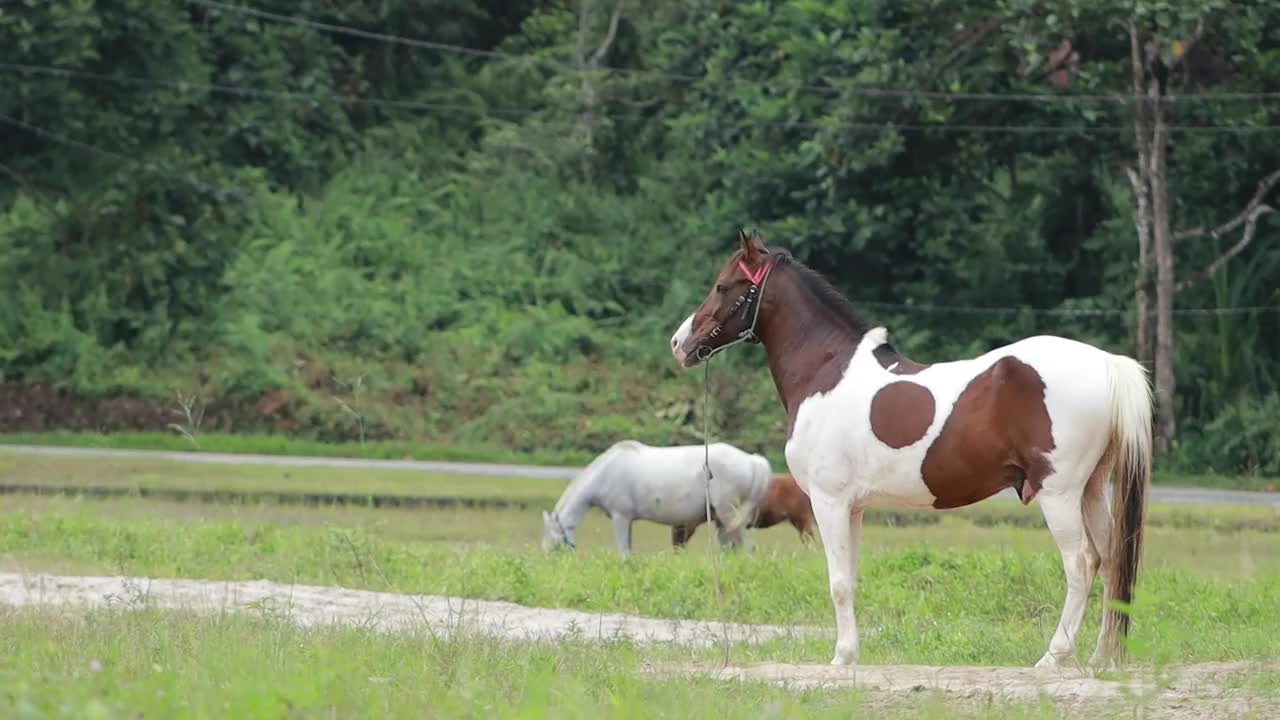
{"points": [[754, 277]]}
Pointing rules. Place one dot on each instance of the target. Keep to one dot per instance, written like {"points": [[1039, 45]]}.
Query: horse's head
{"points": [[554, 534], [729, 313]]}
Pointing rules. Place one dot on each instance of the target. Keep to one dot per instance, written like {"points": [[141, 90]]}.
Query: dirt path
{"points": [[314, 605], [1186, 692], [1183, 693]]}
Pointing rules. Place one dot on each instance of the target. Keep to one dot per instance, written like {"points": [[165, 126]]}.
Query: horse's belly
{"points": [[672, 508]]}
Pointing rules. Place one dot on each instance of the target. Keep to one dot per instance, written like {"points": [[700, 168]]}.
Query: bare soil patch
{"points": [[315, 605], [1184, 692], [1181, 692]]}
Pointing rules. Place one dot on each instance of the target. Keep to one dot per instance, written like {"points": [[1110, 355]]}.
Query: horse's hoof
{"points": [[1049, 660], [845, 658], [1100, 664]]}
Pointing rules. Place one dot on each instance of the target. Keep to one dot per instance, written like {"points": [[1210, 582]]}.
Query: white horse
{"points": [[632, 481]]}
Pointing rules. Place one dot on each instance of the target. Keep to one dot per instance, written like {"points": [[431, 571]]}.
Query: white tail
{"points": [[745, 513], [1129, 403]]}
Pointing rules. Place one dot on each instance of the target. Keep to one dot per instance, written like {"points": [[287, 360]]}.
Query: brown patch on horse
{"points": [[901, 413], [997, 436], [895, 362]]}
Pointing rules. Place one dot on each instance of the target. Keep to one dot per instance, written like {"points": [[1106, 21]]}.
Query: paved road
{"points": [[1160, 493]]}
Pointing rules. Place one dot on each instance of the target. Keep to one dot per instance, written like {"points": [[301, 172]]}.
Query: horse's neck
{"points": [[576, 503], [807, 346]]}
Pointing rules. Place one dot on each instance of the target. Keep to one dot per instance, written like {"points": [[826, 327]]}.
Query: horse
{"points": [[1048, 416], [785, 502], [632, 481]]}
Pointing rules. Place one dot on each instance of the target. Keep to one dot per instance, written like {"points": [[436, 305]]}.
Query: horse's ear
{"points": [[752, 247]]}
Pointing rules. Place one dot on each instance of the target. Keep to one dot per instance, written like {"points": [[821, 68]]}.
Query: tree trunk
{"points": [[1144, 340], [1139, 177], [587, 117], [1162, 249], [1155, 239]]}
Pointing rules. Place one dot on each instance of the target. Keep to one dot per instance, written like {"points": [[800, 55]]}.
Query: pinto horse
{"points": [[784, 502], [1050, 417]]}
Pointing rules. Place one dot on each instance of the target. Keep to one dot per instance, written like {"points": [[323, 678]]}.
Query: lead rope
{"points": [[712, 536]]}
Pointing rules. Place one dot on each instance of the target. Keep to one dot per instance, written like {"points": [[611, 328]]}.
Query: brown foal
{"points": [[785, 502]]}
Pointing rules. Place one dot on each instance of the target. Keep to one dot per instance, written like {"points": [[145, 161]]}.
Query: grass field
{"points": [[125, 473], [392, 450], [980, 586], [129, 664], [919, 596], [133, 473]]}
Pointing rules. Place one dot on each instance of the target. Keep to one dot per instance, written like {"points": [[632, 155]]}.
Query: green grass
{"points": [[1211, 545], [392, 450], [920, 603], [143, 472], [48, 471], [152, 664], [283, 445]]}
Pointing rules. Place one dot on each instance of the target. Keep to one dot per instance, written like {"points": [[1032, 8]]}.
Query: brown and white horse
{"points": [[1050, 417], [784, 502]]}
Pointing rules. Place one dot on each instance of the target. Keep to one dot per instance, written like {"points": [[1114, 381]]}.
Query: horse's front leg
{"points": [[622, 532], [734, 538], [841, 530]]}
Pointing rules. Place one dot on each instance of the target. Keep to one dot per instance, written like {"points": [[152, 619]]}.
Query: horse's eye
{"points": [[721, 288]]}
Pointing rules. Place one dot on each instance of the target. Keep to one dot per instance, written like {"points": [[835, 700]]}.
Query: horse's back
{"points": [[954, 433]]}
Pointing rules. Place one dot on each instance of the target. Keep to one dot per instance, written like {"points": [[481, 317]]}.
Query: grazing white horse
{"points": [[632, 481]]}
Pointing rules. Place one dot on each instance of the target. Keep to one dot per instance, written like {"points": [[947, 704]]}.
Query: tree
{"points": [[1155, 62], [1174, 55]]}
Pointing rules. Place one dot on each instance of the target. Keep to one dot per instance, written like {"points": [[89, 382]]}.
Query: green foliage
{"points": [[1245, 435], [500, 248]]}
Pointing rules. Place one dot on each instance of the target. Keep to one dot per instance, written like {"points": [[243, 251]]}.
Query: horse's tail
{"points": [[749, 508], [1129, 405]]}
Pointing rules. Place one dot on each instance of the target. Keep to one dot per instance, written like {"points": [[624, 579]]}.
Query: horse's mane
{"points": [[830, 298], [591, 471]]}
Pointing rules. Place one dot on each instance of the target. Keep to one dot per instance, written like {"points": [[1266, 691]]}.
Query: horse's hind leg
{"points": [[1063, 512], [1097, 525]]}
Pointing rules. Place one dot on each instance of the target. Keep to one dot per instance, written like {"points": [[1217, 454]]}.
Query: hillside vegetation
{"points": [[486, 238]]}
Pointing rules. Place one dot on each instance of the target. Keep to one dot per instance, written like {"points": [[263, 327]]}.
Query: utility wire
{"points": [[1054, 312], [1115, 98], [158, 170], [518, 113]]}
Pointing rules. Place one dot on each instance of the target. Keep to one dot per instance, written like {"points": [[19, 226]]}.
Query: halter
{"points": [[751, 300], [564, 533]]}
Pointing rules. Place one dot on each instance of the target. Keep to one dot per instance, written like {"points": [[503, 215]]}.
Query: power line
{"points": [[243, 91], [519, 113], [1056, 312], [1114, 98], [116, 156]]}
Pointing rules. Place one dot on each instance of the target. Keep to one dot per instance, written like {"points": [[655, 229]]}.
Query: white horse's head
{"points": [[554, 534]]}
